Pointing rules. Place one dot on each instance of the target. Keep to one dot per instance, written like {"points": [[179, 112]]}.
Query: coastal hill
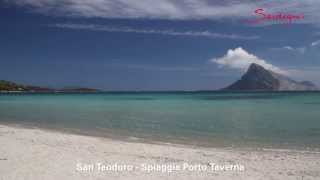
{"points": [[78, 89], [257, 78], [7, 86], [11, 86]]}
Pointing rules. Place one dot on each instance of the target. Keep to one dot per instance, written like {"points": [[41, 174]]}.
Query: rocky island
{"points": [[257, 78]]}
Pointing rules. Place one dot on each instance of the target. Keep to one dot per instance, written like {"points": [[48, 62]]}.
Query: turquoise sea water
{"points": [[199, 118]]}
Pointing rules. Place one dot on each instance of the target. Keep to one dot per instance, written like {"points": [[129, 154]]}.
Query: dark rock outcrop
{"points": [[257, 78]]}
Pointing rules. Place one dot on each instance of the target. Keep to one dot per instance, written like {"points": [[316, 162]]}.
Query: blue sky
{"points": [[153, 45]]}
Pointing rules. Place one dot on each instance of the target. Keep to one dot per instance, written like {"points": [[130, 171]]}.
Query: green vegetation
{"points": [[10, 86], [13, 87]]}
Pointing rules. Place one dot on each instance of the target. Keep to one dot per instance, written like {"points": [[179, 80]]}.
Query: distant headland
{"points": [[8, 86]]}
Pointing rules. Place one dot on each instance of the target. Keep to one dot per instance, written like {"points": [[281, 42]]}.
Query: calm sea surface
{"points": [[203, 118]]}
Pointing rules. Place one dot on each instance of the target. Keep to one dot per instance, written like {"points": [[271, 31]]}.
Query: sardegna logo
{"points": [[262, 16]]}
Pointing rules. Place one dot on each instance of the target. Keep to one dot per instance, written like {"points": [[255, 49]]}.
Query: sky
{"points": [[155, 45]]}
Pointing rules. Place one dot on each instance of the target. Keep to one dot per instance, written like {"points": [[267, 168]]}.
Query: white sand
{"points": [[33, 154]]}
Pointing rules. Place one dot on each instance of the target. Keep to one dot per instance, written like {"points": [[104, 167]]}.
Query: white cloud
{"points": [[160, 9], [205, 34], [240, 59], [170, 9], [288, 48], [300, 50], [315, 43]]}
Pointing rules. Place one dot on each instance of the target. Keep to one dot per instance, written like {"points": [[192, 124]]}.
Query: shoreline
{"points": [[198, 142], [125, 136], [33, 153]]}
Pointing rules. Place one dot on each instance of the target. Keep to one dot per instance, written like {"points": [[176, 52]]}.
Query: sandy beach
{"points": [[36, 154]]}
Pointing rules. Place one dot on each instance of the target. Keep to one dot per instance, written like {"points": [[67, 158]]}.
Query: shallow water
{"points": [[199, 118]]}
